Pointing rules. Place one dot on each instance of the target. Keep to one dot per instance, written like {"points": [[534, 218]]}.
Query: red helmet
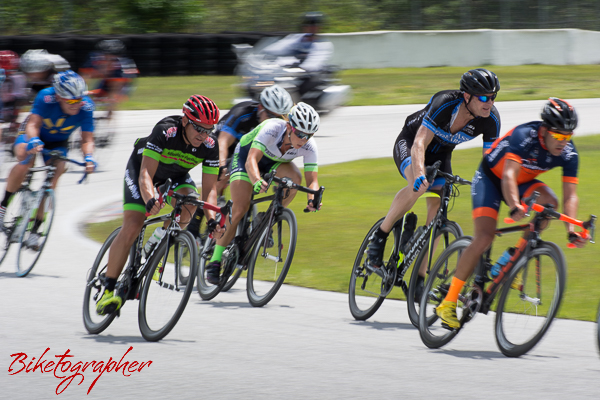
{"points": [[9, 60], [201, 109]]}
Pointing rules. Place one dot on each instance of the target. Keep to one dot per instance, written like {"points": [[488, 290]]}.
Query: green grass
{"points": [[360, 192], [386, 86]]}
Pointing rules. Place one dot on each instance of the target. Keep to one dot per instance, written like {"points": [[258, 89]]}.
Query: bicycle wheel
{"points": [[433, 334], [271, 258], [163, 299], [524, 314], [9, 231], [237, 271], [29, 249], [446, 235], [94, 288], [364, 292], [206, 290]]}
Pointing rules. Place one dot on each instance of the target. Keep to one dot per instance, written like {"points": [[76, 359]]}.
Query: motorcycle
{"points": [[259, 70]]}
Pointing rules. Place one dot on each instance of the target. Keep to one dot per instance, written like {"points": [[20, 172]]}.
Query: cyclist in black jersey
{"points": [[275, 102], [451, 117], [176, 145]]}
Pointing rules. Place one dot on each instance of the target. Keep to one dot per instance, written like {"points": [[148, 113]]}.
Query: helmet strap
{"points": [[467, 104]]}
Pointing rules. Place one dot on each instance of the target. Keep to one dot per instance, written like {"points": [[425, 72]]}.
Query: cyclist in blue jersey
{"points": [[451, 117], [57, 112], [508, 173], [275, 102]]}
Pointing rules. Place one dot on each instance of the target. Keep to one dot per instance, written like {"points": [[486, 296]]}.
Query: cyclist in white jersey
{"points": [[272, 144]]}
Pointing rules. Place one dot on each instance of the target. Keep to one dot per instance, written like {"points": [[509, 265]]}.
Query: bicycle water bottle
{"points": [[154, 239], [502, 261]]}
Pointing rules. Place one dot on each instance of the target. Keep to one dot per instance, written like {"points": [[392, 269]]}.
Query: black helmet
{"points": [[560, 115], [312, 18], [111, 46], [479, 81]]}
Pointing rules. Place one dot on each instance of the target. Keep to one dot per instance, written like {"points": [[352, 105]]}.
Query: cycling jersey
{"points": [[241, 119], [175, 159], [58, 126], [268, 137], [524, 145]]}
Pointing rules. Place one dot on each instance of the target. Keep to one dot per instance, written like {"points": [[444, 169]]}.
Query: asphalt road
{"points": [[302, 345]]}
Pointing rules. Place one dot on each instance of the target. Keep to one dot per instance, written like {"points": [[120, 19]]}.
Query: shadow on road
{"points": [[128, 339], [31, 275], [382, 326]]}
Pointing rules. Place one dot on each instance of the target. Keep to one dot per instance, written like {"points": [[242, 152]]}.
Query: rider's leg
{"points": [[119, 250], [547, 196], [289, 170], [433, 205], [241, 193], [16, 176]]}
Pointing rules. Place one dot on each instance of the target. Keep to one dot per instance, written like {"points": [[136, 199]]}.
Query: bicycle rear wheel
{"points": [[446, 235], [12, 219], [29, 251], [433, 334], [530, 299], [94, 289], [163, 299], [271, 258]]}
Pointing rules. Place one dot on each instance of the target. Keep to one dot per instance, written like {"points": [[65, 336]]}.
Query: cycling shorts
{"points": [[132, 198], [403, 159], [238, 165], [486, 194], [62, 146]]}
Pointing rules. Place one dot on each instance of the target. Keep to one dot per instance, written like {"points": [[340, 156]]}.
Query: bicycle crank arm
{"points": [[272, 258]]}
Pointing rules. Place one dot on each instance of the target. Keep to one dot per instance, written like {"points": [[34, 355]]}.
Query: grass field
{"points": [[358, 193], [386, 86]]}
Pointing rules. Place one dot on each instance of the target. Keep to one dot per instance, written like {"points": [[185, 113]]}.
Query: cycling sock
{"points": [[454, 290], [218, 253], [110, 284], [194, 225], [7, 195], [381, 234], [36, 225]]}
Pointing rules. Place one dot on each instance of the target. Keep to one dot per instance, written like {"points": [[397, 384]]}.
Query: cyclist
{"points": [[508, 173], [114, 71], [176, 145], [272, 144], [451, 117], [275, 102], [40, 67], [12, 92], [57, 112]]}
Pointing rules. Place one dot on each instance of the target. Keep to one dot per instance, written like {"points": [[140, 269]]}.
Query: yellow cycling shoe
{"points": [[447, 313]]}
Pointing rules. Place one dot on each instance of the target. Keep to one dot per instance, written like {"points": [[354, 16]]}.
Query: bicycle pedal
{"points": [[446, 326]]}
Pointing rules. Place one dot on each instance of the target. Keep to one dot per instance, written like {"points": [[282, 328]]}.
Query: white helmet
{"points": [[304, 118], [276, 99], [69, 85], [35, 61]]}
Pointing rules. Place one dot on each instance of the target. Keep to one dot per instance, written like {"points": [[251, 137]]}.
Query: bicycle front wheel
{"points": [[163, 299], [530, 299], [206, 290], [433, 334], [94, 288], [9, 231], [271, 258], [444, 236], [32, 242]]}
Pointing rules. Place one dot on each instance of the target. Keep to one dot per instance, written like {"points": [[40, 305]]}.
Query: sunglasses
{"points": [[73, 101], [485, 99], [302, 135], [561, 137], [200, 129]]}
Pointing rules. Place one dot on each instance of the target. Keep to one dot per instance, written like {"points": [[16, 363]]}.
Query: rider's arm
{"points": [[34, 124], [510, 189], [209, 192], [570, 202], [422, 139], [254, 156], [147, 171], [312, 182]]}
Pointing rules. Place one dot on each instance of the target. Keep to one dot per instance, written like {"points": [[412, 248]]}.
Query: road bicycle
{"points": [[530, 285], [26, 205], [156, 279], [369, 288], [264, 246]]}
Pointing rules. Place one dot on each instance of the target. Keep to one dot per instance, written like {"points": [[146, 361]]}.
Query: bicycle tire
{"points": [[513, 305], [153, 328], [431, 331], [27, 256], [449, 229], [260, 270], [94, 282], [206, 290], [238, 271], [12, 218]]}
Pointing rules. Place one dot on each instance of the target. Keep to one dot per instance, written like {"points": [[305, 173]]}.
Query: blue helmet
{"points": [[69, 85]]}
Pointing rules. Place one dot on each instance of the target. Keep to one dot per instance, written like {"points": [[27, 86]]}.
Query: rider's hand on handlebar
{"points": [[90, 163], [34, 145], [517, 213], [576, 239], [215, 228], [260, 186], [311, 208], [420, 183], [153, 206]]}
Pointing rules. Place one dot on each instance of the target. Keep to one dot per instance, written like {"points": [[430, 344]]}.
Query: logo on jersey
{"points": [[49, 99], [171, 132], [58, 127], [88, 106], [568, 152], [209, 142]]}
